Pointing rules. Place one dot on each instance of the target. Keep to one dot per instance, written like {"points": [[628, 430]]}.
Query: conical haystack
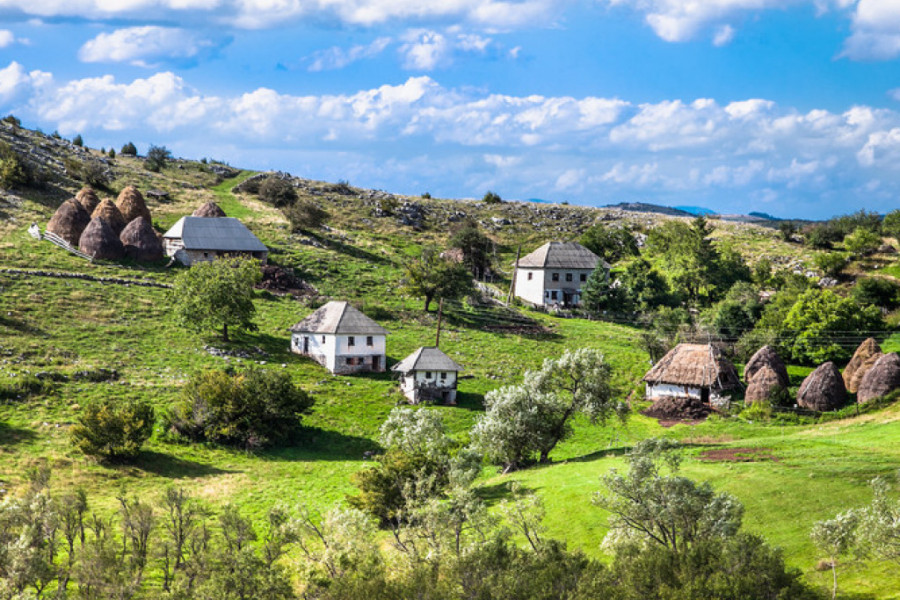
{"points": [[69, 221], [88, 198], [131, 204], [881, 379], [765, 386], [766, 356], [99, 240], [823, 389], [209, 209], [866, 350], [857, 377], [141, 242], [110, 213]]}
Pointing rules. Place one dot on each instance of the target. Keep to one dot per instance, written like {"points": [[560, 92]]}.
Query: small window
{"points": [[568, 277], [555, 277], [370, 341], [206, 255], [530, 275], [349, 360], [583, 277], [351, 341], [427, 374], [443, 376], [553, 295], [323, 339]]}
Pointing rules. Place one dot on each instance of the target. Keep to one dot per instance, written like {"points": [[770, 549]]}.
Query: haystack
{"points": [[87, 198], [69, 221], [823, 389], [110, 213], [881, 379], [131, 204], [864, 368], [766, 356], [209, 209], [765, 386], [864, 353], [141, 242], [99, 240]]}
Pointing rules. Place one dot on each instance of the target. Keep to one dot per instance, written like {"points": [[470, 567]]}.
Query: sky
{"points": [[789, 107]]}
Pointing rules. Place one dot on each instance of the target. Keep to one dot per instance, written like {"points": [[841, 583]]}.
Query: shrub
{"points": [[305, 215], [112, 429], [12, 120], [78, 141], [14, 172], [90, 172], [157, 158], [862, 242], [878, 292], [277, 192], [252, 409], [128, 149], [491, 198], [831, 263], [112, 153]]}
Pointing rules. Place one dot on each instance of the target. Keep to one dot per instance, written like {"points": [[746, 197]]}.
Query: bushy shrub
{"points": [[157, 158], [831, 263], [491, 198], [862, 242], [252, 409], [92, 173], [113, 429], [277, 192], [128, 149], [78, 141], [304, 215], [12, 120], [877, 291], [14, 172]]}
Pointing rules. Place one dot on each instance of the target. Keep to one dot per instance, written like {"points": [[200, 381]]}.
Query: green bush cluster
{"points": [[305, 215], [277, 192], [113, 429]]}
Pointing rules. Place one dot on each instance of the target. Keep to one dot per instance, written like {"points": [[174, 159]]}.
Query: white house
{"points": [[341, 339], [555, 273], [199, 239], [428, 374], [692, 371]]}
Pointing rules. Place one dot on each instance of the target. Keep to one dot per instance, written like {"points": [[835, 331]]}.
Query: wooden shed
{"points": [[428, 374]]}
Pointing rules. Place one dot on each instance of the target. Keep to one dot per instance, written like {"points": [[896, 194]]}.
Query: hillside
{"points": [[62, 328]]}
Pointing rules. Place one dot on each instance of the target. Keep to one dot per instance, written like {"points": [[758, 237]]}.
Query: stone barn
{"points": [[198, 239]]}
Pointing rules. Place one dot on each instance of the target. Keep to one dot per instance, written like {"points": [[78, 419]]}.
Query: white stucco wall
{"points": [[331, 350], [660, 390], [541, 287], [530, 290], [414, 380]]}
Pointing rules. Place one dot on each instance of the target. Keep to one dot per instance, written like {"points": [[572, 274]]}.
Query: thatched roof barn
{"points": [[209, 209], [99, 240], [131, 204], [110, 213], [766, 356], [823, 389], [692, 370], [881, 379], [69, 221], [861, 362], [87, 198], [766, 385], [141, 242]]}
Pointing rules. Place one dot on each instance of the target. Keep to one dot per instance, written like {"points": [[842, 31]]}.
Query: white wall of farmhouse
{"points": [[662, 390], [544, 287], [365, 352], [416, 383]]}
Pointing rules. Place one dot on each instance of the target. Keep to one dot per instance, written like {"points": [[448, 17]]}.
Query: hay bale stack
{"points": [[881, 379], [823, 389], [69, 221], [99, 240], [141, 242], [209, 209], [131, 204], [861, 357], [110, 213], [864, 368], [765, 386], [88, 198], [766, 356]]}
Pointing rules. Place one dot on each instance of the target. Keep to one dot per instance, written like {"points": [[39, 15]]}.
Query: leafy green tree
{"points": [[491, 198], [113, 429], [305, 215], [610, 243], [598, 295], [129, 149], [78, 141], [831, 263], [877, 291], [738, 311], [13, 170], [430, 276], [862, 241], [787, 229], [836, 537], [477, 248], [820, 318], [277, 192], [157, 158], [112, 153], [891, 224], [820, 237], [217, 294]]}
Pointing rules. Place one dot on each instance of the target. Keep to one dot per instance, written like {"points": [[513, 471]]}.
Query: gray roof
{"points": [[225, 234], [427, 359], [562, 255], [338, 317]]}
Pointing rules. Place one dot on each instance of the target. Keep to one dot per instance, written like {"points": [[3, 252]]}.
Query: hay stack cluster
{"points": [[863, 359], [209, 209], [881, 379], [823, 389], [766, 376], [106, 230]]}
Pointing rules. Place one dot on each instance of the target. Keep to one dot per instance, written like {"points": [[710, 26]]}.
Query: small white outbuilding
{"points": [[428, 375], [341, 339]]}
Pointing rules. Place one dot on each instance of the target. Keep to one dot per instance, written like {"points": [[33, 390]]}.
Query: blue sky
{"points": [[791, 107]]}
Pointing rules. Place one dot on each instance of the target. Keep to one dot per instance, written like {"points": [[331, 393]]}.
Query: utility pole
{"points": [[512, 284], [437, 338]]}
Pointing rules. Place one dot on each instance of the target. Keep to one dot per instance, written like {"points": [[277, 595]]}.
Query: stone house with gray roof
{"points": [[554, 274], [198, 239], [342, 339], [428, 374]]}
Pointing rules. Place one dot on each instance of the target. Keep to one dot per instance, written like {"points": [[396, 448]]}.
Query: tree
{"points": [[112, 153], [862, 241], [787, 229], [305, 215], [113, 429], [835, 537], [129, 149], [78, 140], [611, 243], [477, 248], [598, 295], [738, 311], [157, 158], [831, 263], [891, 224], [491, 198], [14, 172], [217, 294], [277, 192], [430, 276], [877, 291]]}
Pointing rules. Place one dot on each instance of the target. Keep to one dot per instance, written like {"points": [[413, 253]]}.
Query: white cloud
{"points": [[338, 58], [16, 83], [138, 45], [425, 50], [6, 38], [723, 35]]}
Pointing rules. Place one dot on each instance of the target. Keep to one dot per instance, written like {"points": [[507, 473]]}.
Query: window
{"points": [[555, 277], [349, 360], [351, 341], [427, 374], [568, 277], [370, 341], [323, 339], [583, 277], [530, 275], [553, 295], [443, 376]]}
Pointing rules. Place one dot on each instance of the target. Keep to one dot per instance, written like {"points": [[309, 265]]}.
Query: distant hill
{"points": [[696, 210], [650, 208]]}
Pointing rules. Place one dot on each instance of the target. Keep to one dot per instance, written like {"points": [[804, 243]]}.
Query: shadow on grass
{"points": [[10, 435], [322, 444], [347, 249], [20, 326], [470, 401], [493, 494], [166, 465]]}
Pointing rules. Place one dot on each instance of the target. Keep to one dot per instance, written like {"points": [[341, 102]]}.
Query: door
{"points": [[305, 344], [376, 363], [704, 395]]}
